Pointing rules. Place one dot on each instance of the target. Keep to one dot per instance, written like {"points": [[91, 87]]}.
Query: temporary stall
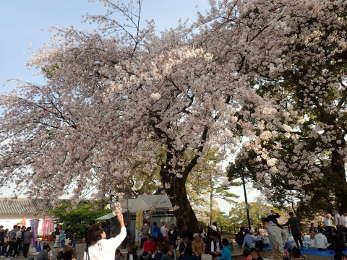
{"points": [[154, 208]]}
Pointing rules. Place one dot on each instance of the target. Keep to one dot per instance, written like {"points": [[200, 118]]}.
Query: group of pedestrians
{"points": [[15, 242], [181, 244]]}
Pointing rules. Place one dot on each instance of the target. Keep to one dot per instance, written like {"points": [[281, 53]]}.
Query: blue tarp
{"points": [[313, 251]]}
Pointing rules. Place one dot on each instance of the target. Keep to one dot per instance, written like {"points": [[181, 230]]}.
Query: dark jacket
{"points": [[294, 225]]}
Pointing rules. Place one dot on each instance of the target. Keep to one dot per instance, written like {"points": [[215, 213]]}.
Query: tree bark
{"points": [[175, 188]]}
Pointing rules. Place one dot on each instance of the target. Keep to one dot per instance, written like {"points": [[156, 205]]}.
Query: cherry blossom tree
{"points": [[109, 100], [305, 74], [124, 93]]}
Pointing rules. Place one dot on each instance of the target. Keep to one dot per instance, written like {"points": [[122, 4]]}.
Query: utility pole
{"points": [[245, 193], [211, 197]]}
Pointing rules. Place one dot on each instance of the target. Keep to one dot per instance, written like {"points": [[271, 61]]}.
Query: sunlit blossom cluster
{"points": [[112, 100]]}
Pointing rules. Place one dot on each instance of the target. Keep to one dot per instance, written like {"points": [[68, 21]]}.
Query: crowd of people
{"points": [[286, 240], [329, 233], [163, 243], [16, 241]]}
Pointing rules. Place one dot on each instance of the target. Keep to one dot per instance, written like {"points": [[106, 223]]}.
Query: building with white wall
{"points": [[19, 211]]}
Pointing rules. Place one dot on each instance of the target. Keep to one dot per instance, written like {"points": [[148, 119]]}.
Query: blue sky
{"points": [[25, 27]]}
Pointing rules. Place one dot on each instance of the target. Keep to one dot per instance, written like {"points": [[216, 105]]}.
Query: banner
{"points": [[139, 220], [34, 223]]}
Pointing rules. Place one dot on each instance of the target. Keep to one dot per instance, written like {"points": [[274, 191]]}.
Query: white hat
{"points": [[213, 227]]}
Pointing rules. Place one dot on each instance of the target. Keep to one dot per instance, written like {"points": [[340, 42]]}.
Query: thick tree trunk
{"points": [[339, 179], [175, 188]]}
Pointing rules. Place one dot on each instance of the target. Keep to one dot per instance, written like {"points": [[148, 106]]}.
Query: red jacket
{"points": [[149, 246]]}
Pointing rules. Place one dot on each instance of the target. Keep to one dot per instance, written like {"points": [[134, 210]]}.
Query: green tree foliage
{"points": [[311, 93], [237, 217], [224, 222], [257, 210], [209, 182], [77, 218]]}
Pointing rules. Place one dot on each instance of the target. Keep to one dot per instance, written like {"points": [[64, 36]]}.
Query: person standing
{"points": [[294, 227], [338, 243], [173, 236], [27, 237], [164, 231], [213, 247], [273, 218], [6, 243], [328, 223], [21, 245], [2, 239], [337, 218], [18, 241], [155, 232], [275, 236], [343, 221], [12, 242], [240, 237], [100, 248], [144, 233]]}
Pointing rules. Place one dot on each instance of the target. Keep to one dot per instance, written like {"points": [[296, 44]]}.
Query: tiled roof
{"points": [[23, 207]]}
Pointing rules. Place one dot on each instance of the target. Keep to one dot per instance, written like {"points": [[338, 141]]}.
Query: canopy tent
{"points": [[134, 205], [106, 217], [131, 205], [157, 202], [143, 203]]}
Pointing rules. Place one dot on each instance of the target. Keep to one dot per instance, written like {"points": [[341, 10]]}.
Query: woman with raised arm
{"points": [[100, 248]]}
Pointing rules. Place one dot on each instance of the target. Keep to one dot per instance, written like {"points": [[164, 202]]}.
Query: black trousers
{"points": [[26, 249], [298, 240], [12, 249]]}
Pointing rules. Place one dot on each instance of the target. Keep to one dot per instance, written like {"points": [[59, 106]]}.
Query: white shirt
{"points": [[19, 234], [320, 241], [217, 249], [337, 219], [105, 249], [343, 221], [164, 231], [327, 222]]}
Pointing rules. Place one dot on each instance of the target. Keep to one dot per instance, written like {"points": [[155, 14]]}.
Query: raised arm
{"points": [[116, 241]]}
